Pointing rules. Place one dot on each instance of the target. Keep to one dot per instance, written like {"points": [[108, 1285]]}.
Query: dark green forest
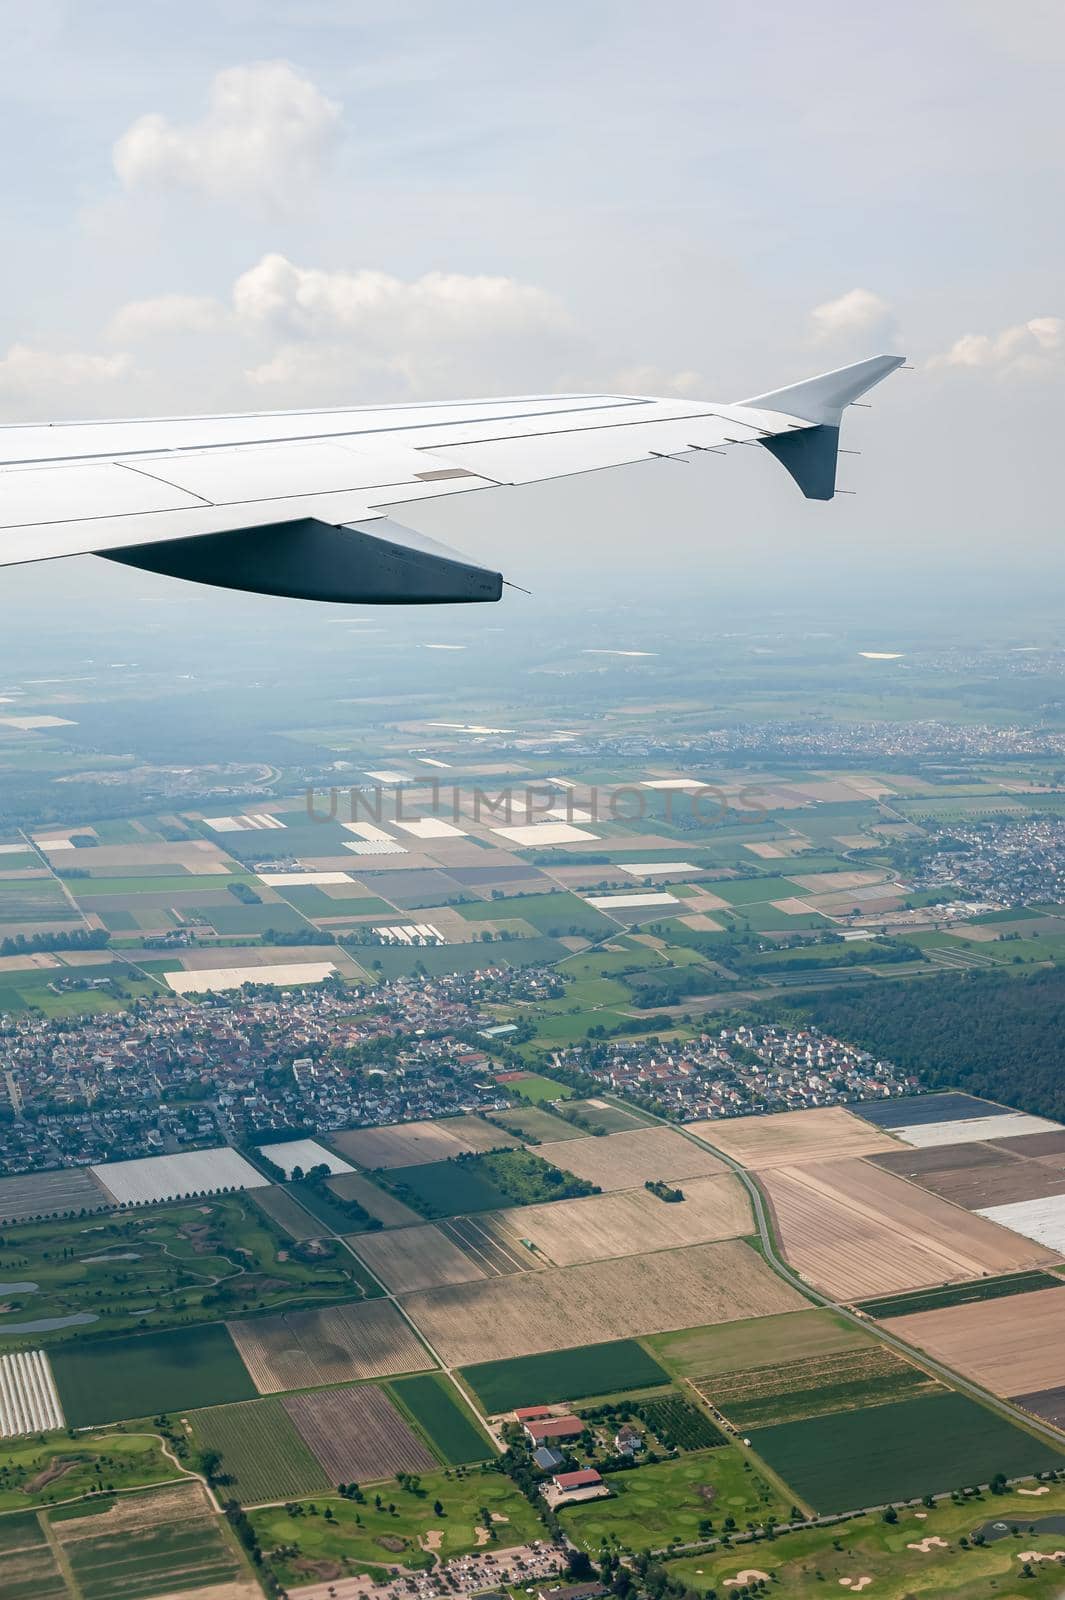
{"points": [[985, 1032]]}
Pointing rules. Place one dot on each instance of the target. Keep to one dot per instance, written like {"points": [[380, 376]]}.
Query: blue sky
{"points": [[251, 204]]}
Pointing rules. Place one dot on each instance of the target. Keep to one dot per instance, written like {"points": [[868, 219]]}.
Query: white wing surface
{"points": [[298, 503]]}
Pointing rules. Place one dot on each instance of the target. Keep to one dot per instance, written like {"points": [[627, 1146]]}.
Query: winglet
{"points": [[809, 454]]}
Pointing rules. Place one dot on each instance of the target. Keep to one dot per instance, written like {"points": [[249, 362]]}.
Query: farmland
{"points": [[28, 1569], [261, 1451], [482, 1182], [434, 1404], [577, 1374], [145, 1545], [980, 1175], [960, 1294], [357, 1434], [679, 1424], [408, 1144], [789, 1137], [307, 1349], [570, 1231], [43, 1194], [765, 1341], [657, 1503], [159, 1266], [530, 1312], [416, 1258], [1012, 1346], [853, 1459], [374, 1200], [535, 1124], [813, 1386], [32, 1473], [858, 1232], [138, 1375], [404, 1528], [193, 1172], [627, 1160]]}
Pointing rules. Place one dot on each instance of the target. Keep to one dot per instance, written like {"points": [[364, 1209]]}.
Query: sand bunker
{"points": [[748, 1575], [497, 1516], [483, 1535], [432, 1540], [856, 1585], [1044, 1488], [1038, 1555], [931, 1543]]}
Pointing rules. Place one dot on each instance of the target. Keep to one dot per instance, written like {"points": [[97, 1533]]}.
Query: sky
{"points": [[260, 204]]}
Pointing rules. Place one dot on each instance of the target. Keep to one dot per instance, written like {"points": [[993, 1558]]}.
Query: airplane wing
{"points": [[300, 502]]}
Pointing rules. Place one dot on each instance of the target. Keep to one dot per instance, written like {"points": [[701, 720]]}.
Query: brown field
{"points": [[409, 1144], [286, 1212], [415, 1258], [308, 1349], [621, 1224], [378, 1202], [977, 1175], [788, 1137], [856, 1231], [628, 1160], [1012, 1346], [178, 1502], [1041, 1145], [357, 1434], [529, 1312]]}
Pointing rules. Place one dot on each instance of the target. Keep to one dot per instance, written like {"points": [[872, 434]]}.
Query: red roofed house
{"points": [[555, 1428], [533, 1413], [566, 1487]]}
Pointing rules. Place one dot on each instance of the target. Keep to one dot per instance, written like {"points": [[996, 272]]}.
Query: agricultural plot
{"points": [[603, 1226], [49, 1194], [478, 1134], [534, 1125], [261, 1451], [528, 1312], [416, 1258], [447, 1188], [487, 1242], [433, 1403], [357, 1434], [960, 1294], [814, 1386], [309, 1349], [1041, 1219], [705, 1352], [590, 1369], [657, 1503], [142, 1374], [787, 1138], [285, 1210], [305, 1154], [408, 1144], [28, 1569], [1011, 1125], [1012, 1346], [604, 1115], [851, 1460], [857, 1232], [628, 1160], [908, 1110], [145, 1545], [375, 1201], [192, 1172], [28, 1399], [678, 1424], [979, 1175], [538, 1090]]}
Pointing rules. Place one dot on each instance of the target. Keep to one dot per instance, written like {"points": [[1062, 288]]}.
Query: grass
{"points": [[481, 1183], [575, 1374], [364, 1538], [960, 1294], [855, 1459], [400, 962], [555, 914], [72, 1467], [534, 1123], [761, 1341], [438, 1411], [189, 1262], [656, 1503], [813, 1561], [262, 1454], [142, 1374], [537, 1089]]}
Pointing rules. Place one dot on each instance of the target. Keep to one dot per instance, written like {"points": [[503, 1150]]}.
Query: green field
{"points": [[812, 1562], [160, 1265], [854, 1459], [28, 1569], [813, 1386], [365, 1538], [656, 1503], [143, 1374], [435, 1406], [577, 1374], [401, 961], [760, 1342], [535, 1124], [553, 914], [536, 1089], [960, 1294], [262, 1454], [190, 1552], [36, 1473], [485, 1182]]}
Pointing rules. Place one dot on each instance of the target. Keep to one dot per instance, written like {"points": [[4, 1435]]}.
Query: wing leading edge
{"points": [[299, 503]]}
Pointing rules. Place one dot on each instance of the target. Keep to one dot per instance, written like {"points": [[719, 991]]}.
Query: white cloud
{"points": [[659, 381], [859, 311], [1036, 346], [267, 135], [28, 371], [166, 314]]}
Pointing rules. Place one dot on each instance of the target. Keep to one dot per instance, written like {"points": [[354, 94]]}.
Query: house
{"points": [[533, 1413], [546, 1459], [627, 1442], [554, 1428], [566, 1488]]}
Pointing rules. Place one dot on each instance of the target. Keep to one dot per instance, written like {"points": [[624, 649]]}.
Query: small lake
{"points": [[1002, 1530], [122, 1255], [17, 1288], [76, 1319]]}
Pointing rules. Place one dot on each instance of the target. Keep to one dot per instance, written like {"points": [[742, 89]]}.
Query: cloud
{"points": [[1033, 347], [267, 136], [657, 381], [28, 371], [859, 311], [166, 314]]}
